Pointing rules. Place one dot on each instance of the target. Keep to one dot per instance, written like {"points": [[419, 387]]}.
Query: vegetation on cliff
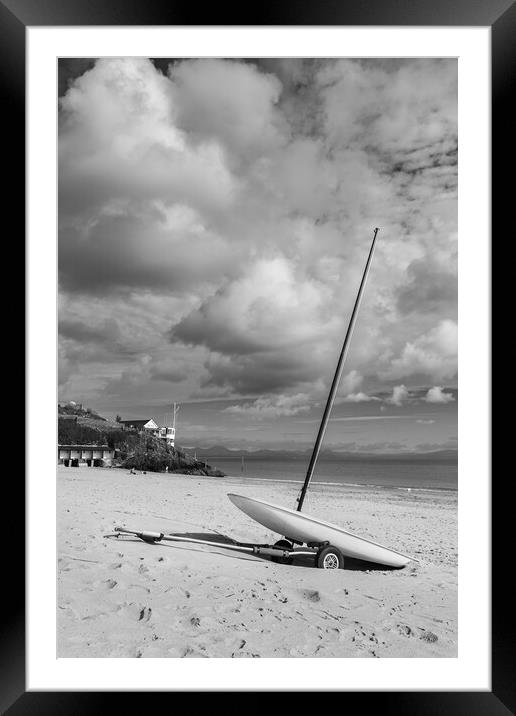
{"points": [[154, 455]]}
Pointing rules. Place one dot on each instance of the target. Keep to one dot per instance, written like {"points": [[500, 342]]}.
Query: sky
{"points": [[214, 222]]}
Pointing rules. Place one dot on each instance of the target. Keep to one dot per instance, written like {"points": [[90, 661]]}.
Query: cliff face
{"points": [[154, 455]]}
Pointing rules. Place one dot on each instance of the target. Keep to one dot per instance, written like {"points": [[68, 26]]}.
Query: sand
{"points": [[125, 598]]}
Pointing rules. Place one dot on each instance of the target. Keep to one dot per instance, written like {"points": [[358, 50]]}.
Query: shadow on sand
{"points": [[350, 564]]}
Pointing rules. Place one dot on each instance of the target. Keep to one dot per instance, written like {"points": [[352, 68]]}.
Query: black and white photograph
{"points": [[258, 385]]}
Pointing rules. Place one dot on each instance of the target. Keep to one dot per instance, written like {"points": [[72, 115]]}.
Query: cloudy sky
{"points": [[214, 221]]}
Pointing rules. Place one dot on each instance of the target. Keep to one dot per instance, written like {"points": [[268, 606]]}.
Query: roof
{"points": [[137, 422], [84, 447]]}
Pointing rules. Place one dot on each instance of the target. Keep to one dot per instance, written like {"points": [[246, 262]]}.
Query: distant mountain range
{"points": [[219, 451]]}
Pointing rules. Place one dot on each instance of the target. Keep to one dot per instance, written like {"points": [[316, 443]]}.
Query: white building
{"points": [[85, 454], [168, 434]]}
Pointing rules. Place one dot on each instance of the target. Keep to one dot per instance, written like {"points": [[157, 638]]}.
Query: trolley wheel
{"points": [[282, 544], [329, 558]]}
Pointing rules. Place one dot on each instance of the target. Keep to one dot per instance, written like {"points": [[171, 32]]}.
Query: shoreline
{"points": [[361, 485], [314, 483]]}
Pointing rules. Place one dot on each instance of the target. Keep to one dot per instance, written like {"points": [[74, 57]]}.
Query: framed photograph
{"points": [[258, 267]]}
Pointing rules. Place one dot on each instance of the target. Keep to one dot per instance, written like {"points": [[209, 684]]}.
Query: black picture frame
{"points": [[500, 16]]}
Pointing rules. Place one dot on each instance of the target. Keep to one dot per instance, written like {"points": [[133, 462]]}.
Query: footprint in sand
{"points": [[428, 636], [139, 586], [132, 610], [145, 614], [359, 629], [404, 629], [312, 595]]}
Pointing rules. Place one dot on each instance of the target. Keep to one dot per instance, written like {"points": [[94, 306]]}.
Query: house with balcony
{"points": [[168, 434]]}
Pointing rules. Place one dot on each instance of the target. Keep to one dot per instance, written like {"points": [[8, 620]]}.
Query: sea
{"points": [[429, 475]]}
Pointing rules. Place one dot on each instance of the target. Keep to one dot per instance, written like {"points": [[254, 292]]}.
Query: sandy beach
{"points": [[125, 598]]}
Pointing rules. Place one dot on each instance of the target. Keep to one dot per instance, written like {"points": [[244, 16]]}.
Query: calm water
{"points": [[428, 475]]}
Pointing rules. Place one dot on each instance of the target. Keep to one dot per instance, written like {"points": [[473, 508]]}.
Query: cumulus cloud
{"points": [[267, 372], [351, 381], [437, 395], [132, 187], [222, 209], [268, 307], [399, 395], [432, 354], [106, 331], [406, 107], [279, 405], [168, 371], [118, 141], [265, 330], [359, 398], [231, 101], [431, 286], [65, 367], [140, 249]]}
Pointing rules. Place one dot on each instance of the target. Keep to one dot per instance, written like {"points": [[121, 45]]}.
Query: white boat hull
{"points": [[302, 528]]}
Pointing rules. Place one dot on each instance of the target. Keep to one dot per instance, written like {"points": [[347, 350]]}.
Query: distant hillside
{"points": [[219, 451]]}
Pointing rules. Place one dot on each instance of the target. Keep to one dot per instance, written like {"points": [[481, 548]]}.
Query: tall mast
{"points": [[336, 379], [174, 413]]}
